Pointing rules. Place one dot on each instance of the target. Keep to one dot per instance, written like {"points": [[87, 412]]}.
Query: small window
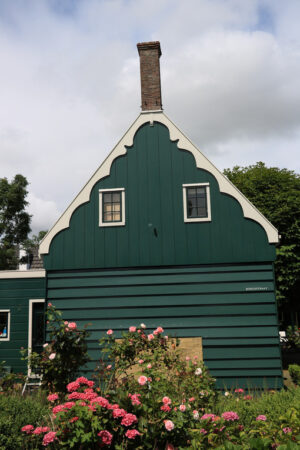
{"points": [[112, 207], [196, 202], [4, 324]]}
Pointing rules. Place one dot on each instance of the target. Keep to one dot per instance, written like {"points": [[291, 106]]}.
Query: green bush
{"points": [[248, 406], [294, 371], [15, 412]]}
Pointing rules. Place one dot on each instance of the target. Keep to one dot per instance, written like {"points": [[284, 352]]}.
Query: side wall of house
{"points": [[212, 279], [15, 294], [232, 307]]}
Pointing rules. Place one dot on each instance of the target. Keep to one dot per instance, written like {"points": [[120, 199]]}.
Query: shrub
{"points": [[294, 371], [15, 412], [63, 356], [293, 335]]}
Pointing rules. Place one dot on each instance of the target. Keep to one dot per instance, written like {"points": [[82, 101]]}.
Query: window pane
{"points": [[107, 197], [111, 206], [3, 324], [116, 197], [196, 202]]}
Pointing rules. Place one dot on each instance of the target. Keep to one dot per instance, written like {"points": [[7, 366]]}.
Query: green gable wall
{"points": [[232, 307], [15, 294], [152, 173]]}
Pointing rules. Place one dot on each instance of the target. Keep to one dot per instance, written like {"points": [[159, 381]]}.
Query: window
{"points": [[112, 207], [196, 202], [4, 324]]}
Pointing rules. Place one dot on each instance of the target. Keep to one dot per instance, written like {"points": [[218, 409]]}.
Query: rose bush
{"points": [[62, 356]]}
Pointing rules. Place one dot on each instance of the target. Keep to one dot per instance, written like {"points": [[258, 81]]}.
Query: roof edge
{"points": [[225, 186], [6, 274]]}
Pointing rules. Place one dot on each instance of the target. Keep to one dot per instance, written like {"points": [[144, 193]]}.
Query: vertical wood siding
{"points": [[152, 173], [15, 294], [232, 307]]}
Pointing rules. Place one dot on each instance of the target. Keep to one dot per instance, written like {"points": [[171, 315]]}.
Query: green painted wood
{"points": [[165, 301], [257, 267], [248, 382], [161, 279], [152, 173], [15, 295], [236, 324]]}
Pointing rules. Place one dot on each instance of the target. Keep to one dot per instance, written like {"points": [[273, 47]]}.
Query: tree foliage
{"points": [[276, 193], [14, 220]]}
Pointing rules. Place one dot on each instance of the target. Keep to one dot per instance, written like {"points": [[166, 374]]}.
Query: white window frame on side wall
{"points": [[111, 224], [196, 219], [30, 374], [7, 338]]}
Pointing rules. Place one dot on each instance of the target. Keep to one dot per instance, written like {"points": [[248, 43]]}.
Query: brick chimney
{"points": [[150, 53]]}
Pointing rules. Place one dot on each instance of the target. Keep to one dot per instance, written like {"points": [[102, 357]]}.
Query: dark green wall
{"points": [[231, 306], [152, 174], [15, 294]]}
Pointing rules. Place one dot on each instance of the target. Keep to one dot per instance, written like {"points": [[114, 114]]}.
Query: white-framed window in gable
{"points": [[196, 202], [4, 325], [111, 207]]}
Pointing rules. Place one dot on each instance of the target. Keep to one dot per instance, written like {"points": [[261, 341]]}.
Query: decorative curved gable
{"points": [[225, 186]]}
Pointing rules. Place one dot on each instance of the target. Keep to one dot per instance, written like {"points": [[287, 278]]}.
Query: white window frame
{"points": [[8, 325], [196, 219], [30, 374], [112, 224]]}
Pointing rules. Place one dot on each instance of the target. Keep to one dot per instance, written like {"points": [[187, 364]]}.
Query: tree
{"points": [[14, 220], [276, 193]]}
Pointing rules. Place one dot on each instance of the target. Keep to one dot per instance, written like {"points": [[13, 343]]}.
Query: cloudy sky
{"points": [[69, 85]]}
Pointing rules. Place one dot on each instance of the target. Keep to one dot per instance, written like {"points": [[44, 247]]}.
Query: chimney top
{"points": [[150, 53]]}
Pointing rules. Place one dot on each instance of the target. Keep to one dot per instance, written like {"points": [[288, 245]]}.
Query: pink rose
{"points": [[72, 326], [49, 437], [135, 399], [52, 397], [287, 430], [150, 337], [166, 400], [165, 408], [239, 391], [49, 304], [40, 430], [109, 367], [192, 399], [106, 437], [132, 329], [132, 434], [82, 380], [169, 425], [27, 429], [195, 414], [140, 361], [182, 408], [187, 358], [230, 416], [109, 332], [142, 380], [159, 329], [128, 420], [118, 413], [261, 417], [149, 366], [208, 416], [143, 326], [52, 356], [73, 386], [169, 446]]}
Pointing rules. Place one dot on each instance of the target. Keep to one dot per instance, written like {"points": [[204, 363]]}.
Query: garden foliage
{"points": [[63, 355], [148, 396]]}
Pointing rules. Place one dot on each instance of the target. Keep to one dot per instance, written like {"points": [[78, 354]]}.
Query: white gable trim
{"points": [[184, 143]]}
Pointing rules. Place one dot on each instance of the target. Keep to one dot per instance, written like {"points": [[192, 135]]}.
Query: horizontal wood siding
{"points": [[232, 307], [15, 294], [155, 234]]}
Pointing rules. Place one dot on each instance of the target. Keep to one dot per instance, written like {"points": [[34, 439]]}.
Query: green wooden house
{"points": [[158, 235]]}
